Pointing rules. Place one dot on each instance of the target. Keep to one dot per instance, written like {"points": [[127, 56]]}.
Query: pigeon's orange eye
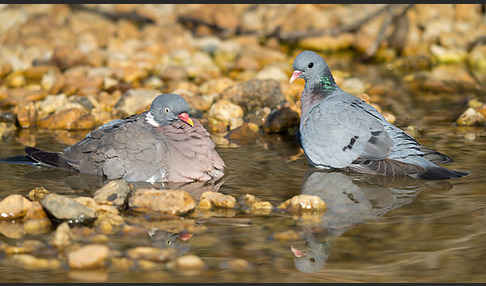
{"points": [[311, 65]]}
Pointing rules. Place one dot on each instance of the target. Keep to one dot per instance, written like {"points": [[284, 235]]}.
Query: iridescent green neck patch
{"points": [[326, 82]]}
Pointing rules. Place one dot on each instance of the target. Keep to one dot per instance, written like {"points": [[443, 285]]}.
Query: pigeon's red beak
{"points": [[295, 75], [185, 117]]}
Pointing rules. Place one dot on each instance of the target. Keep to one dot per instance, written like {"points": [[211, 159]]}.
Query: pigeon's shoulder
{"points": [[115, 135], [117, 125]]}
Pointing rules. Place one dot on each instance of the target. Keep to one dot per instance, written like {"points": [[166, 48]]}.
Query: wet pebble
{"points": [[15, 79], [189, 263], [448, 55], [272, 72], [37, 193], [255, 94], [62, 236], [6, 129], [26, 115], [147, 265], [88, 275], [113, 193], [238, 265], [14, 206], [11, 229], [109, 223], [28, 246], [31, 262], [225, 115], [89, 256], [353, 86], [257, 206], [36, 220], [99, 239], [198, 102], [151, 253], [69, 119], [303, 203], [170, 202], [471, 117], [214, 199], [67, 209], [216, 86], [281, 120], [136, 100], [328, 43], [55, 103], [245, 133], [122, 263]]}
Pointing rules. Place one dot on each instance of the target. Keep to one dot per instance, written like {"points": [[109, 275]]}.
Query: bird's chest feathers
{"points": [[309, 100]]}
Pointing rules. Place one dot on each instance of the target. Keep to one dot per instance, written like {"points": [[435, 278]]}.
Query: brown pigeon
{"points": [[160, 145]]}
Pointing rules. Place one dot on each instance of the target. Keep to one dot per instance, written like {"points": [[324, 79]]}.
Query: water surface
{"points": [[375, 229]]}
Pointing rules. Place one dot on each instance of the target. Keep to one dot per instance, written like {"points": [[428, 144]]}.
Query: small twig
{"points": [[276, 33], [131, 16], [295, 36], [193, 23], [391, 18], [371, 51], [399, 35], [478, 41]]}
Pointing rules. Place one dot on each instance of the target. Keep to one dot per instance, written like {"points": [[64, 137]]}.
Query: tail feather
{"points": [[439, 173], [435, 157], [389, 167], [50, 159], [386, 167]]}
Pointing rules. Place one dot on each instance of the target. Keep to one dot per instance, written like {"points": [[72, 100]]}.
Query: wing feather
{"points": [[335, 133]]}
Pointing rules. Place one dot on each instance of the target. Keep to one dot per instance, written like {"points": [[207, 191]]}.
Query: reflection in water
{"points": [[351, 242], [163, 239], [85, 184], [350, 200]]}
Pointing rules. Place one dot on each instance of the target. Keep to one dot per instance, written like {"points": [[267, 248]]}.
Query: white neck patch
{"points": [[151, 120]]}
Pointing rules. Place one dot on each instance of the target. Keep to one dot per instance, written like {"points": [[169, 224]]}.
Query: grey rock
{"points": [[66, 209], [113, 193], [254, 94]]}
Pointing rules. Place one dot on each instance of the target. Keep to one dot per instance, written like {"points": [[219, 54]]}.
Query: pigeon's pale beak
{"points": [[184, 235], [296, 252], [295, 75], [185, 117]]}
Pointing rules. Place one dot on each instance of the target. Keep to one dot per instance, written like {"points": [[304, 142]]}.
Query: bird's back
{"points": [[136, 151], [124, 148]]}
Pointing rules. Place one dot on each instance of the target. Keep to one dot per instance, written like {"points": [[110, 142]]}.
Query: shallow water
{"points": [[374, 229]]}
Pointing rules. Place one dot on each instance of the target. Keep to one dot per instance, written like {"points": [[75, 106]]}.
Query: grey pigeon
{"points": [[340, 131], [160, 145]]}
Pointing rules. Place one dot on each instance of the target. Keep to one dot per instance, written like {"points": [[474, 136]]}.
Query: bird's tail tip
{"points": [[45, 158], [439, 173]]}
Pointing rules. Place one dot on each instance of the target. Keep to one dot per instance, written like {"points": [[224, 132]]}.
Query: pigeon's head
{"points": [[167, 108], [309, 65]]}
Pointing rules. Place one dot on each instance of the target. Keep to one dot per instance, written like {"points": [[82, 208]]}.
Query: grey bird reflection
{"points": [[351, 200], [86, 184]]}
